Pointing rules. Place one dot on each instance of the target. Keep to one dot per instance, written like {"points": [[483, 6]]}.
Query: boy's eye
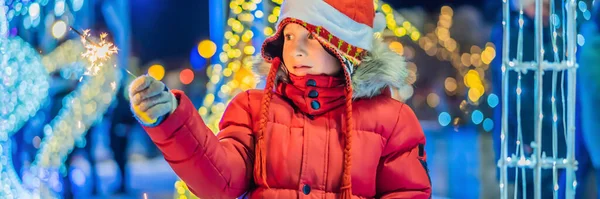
{"points": [[311, 36], [288, 37]]}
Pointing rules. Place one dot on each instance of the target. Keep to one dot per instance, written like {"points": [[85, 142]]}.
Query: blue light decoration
{"points": [[59, 8], [77, 4], [444, 119], [488, 124], [198, 62], [493, 100], [24, 75], [477, 117], [28, 86]]}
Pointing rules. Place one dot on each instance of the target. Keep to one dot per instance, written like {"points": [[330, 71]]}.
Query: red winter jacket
{"points": [[304, 153]]}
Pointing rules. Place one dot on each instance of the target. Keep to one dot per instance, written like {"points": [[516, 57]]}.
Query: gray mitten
{"points": [[150, 100]]}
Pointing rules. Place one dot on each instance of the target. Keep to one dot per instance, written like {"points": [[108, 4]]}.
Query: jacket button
{"points": [[311, 82], [306, 189], [315, 104], [313, 94]]}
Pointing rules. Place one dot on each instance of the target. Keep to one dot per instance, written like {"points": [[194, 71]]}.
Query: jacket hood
{"points": [[380, 68]]}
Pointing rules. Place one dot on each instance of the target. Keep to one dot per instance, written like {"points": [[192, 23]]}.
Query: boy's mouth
{"points": [[302, 66]]}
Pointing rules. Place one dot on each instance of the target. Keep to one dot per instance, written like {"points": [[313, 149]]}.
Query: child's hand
{"points": [[150, 99]]}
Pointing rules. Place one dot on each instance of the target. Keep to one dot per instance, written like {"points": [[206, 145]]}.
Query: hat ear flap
{"points": [[379, 22]]}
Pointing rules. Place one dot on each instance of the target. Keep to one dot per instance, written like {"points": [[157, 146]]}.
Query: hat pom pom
{"points": [[379, 22]]}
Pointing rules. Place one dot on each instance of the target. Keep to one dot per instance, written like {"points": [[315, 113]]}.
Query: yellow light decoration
{"points": [[397, 47], [400, 31], [207, 48], [237, 10], [472, 78], [415, 36], [474, 95], [223, 57], [227, 72], [202, 111], [249, 50], [268, 31], [386, 8], [272, 18], [228, 35], [156, 71], [232, 5], [209, 99], [446, 10]]}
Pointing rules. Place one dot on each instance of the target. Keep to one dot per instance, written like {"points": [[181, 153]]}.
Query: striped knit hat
{"points": [[345, 28]]}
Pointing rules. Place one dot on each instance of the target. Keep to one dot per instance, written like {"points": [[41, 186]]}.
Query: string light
{"points": [[81, 108], [440, 43], [59, 29]]}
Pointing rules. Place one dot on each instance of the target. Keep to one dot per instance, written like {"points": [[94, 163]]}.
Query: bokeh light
{"points": [[477, 117], [196, 60], [77, 4], [450, 84], [433, 100], [397, 47], [493, 100], [59, 8], [444, 119], [186, 76], [34, 11], [488, 124], [59, 29], [156, 71], [207, 48]]}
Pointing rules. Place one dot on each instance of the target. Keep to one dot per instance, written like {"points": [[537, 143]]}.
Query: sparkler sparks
{"points": [[96, 52]]}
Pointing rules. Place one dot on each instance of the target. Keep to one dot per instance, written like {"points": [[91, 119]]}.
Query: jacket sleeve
{"points": [[211, 166], [402, 170]]}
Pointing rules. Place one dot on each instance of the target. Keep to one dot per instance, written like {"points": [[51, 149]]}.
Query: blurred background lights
{"points": [[207, 48], [59, 29], [186, 76], [77, 4], [59, 8], [488, 124], [34, 10], [477, 117], [433, 100], [156, 71], [493, 100], [450, 84], [444, 119]]}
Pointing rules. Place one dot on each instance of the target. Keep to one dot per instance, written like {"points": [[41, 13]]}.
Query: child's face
{"points": [[303, 54]]}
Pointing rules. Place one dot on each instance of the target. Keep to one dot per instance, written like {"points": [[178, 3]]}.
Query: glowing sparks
{"points": [[113, 85], [96, 52]]}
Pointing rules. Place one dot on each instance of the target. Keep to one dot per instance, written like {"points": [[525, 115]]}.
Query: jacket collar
{"points": [[313, 94]]}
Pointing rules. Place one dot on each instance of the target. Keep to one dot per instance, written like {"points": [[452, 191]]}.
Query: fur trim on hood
{"points": [[380, 68]]}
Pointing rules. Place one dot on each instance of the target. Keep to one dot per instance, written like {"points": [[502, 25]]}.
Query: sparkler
{"points": [[97, 53]]}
